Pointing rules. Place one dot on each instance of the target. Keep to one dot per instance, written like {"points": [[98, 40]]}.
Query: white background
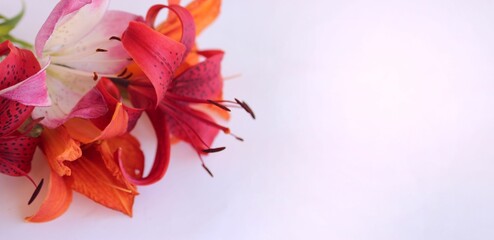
{"points": [[375, 121]]}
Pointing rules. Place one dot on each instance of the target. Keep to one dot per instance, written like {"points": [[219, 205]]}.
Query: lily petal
{"points": [[72, 95], [31, 92], [112, 97], [68, 23], [56, 202], [59, 147], [204, 13], [16, 154], [201, 81], [84, 55], [158, 56], [188, 27], [97, 176], [162, 157], [190, 129], [85, 131]]}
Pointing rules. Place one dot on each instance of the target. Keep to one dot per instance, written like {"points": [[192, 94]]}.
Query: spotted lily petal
{"points": [[16, 154], [17, 66], [188, 29], [201, 81], [158, 56]]}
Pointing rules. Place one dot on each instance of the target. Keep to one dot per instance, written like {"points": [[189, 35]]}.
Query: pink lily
{"points": [[22, 87], [79, 43]]}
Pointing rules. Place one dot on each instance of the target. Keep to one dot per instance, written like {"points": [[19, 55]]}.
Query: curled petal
{"points": [[59, 147], [158, 56], [85, 131], [112, 97], [204, 13], [186, 19], [162, 157], [68, 23], [56, 202]]}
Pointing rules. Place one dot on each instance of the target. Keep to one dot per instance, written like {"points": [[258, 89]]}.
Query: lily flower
{"points": [[78, 46], [155, 84], [21, 88], [83, 158]]}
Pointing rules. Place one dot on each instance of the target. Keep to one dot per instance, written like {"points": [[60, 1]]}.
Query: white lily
{"points": [[80, 43]]}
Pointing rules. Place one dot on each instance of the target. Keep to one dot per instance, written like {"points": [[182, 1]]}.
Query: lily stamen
{"points": [[37, 187]]}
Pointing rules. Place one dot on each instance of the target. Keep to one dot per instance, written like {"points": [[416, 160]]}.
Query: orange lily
{"points": [[86, 162]]}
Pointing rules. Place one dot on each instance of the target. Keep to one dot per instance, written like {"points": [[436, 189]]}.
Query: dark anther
{"points": [[207, 170], [101, 50], [115, 38], [36, 192], [246, 108], [239, 138], [213, 150], [95, 76], [123, 73], [219, 105], [128, 76]]}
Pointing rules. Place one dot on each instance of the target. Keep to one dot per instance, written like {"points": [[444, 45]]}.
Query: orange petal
{"points": [[203, 11], [132, 155], [99, 178], [86, 132], [59, 147], [56, 202]]}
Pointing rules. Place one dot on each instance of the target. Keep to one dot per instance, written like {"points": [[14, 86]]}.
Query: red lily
{"points": [[153, 81], [22, 82]]}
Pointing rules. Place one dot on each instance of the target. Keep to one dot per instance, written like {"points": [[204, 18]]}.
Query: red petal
{"points": [[162, 157], [16, 154], [18, 65], [111, 95], [188, 26], [201, 81], [158, 56], [190, 129]]}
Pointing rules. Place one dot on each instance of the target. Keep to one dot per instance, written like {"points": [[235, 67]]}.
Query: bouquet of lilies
{"points": [[90, 76]]}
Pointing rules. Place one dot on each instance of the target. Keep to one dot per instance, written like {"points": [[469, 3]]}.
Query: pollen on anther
{"points": [[95, 76]]}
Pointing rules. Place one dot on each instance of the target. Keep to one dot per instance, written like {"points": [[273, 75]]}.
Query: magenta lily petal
{"points": [[91, 105], [32, 91], [16, 154], [17, 66], [201, 81]]}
